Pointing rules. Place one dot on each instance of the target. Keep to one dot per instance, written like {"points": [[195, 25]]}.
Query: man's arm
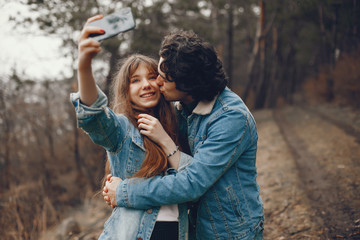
{"points": [[218, 152], [109, 191]]}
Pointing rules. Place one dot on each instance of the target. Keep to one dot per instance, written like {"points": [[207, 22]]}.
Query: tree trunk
{"points": [[6, 173], [49, 129], [253, 57], [114, 58], [230, 27], [260, 95], [324, 45], [76, 149], [216, 31], [214, 22], [356, 19], [274, 78], [287, 80]]}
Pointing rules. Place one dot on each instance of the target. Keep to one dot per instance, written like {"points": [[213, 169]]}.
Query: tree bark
{"points": [[48, 121], [6, 173], [260, 95], [76, 148], [253, 57], [230, 27], [274, 79], [114, 58]]}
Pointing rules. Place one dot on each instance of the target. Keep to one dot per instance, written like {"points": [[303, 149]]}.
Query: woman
{"points": [[130, 154]]}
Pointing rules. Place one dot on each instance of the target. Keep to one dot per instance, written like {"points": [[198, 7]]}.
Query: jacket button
{"points": [[149, 211]]}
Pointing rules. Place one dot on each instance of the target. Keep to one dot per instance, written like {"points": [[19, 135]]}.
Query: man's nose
{"points": [[159, 80]]}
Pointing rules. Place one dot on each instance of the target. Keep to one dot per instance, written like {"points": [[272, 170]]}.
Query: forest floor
{"points": [[308, 172]]}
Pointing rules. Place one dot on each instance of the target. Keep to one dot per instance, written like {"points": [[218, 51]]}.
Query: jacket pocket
{"points": [[235, 205], [111, 218], [123, 224], [135, 159]]}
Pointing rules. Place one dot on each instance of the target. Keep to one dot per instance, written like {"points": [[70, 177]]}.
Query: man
{"points": [[222, 138]]}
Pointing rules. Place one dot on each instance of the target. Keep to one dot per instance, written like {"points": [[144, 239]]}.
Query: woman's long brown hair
{"points": [[155, 162]]}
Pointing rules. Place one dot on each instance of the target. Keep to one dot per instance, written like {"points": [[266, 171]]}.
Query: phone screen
{"points": [[114, 24]]}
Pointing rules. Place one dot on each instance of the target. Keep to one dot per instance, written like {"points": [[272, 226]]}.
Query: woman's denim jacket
{"points": [[125, 149], [223, 140]]}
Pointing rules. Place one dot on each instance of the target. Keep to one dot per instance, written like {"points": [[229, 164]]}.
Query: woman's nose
{"points": [[146, 83]]}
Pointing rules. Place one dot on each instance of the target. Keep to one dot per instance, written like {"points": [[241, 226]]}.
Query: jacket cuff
{"points": [[82, 111], [122, 199]]}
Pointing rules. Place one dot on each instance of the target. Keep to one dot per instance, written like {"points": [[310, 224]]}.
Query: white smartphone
{"points": [[113, 24]]}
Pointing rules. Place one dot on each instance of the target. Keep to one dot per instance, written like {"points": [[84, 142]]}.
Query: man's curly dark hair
{"points": [[193, 65]]}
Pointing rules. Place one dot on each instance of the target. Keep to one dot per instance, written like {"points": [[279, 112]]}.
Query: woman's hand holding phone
{"points": [[97, 28], [88, 47]]}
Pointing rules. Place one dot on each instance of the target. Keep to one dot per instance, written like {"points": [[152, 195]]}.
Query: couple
{"points": [[159, 182]]}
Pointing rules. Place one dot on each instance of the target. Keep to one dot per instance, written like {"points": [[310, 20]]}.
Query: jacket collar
{"points": [[202, 108]]}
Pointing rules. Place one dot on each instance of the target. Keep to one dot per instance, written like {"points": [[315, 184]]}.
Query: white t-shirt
{"points": [[168, 213]]}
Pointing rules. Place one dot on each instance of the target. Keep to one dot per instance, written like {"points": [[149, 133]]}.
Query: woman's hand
{"points": [[109, 192], [152, 128], [88, 47]]}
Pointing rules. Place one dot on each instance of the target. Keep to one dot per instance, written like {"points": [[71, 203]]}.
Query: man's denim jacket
{"points": [[223, 140], [125, 149]]}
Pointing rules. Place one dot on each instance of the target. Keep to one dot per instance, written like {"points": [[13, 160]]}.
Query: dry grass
{"points": [[26, 210], [340, 84]]}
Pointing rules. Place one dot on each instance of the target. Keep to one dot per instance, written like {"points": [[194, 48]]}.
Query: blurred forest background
{"points": [[275, 53]]}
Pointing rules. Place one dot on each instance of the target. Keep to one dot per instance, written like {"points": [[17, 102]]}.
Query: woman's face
{"points": [[143, 90]]}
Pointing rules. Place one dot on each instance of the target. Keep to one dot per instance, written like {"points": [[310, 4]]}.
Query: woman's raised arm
{"points": [[87, 49]]}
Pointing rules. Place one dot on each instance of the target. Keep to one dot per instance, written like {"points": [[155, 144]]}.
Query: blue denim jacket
{"points": [[125, 149], [222, 176]]}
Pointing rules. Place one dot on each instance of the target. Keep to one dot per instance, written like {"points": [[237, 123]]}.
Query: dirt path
{"points": [[317, 155], [308, 171]]}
